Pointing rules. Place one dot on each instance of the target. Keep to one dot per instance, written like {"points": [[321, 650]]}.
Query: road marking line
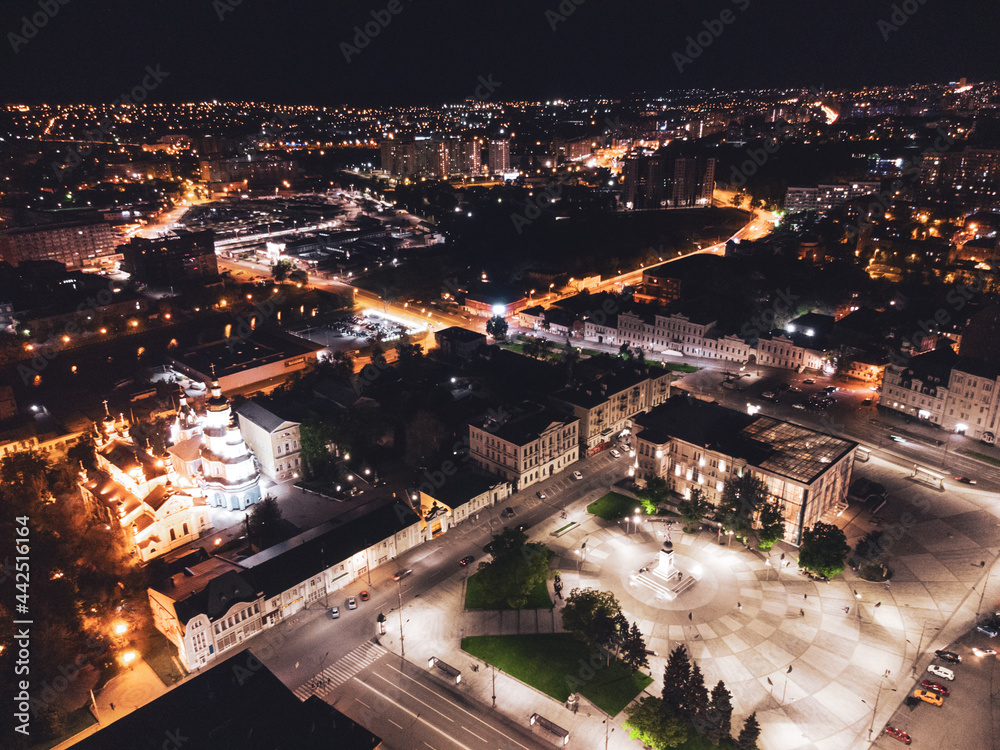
{"points": [[362, 703], [415, 698], [467, 713], [474, 734], [415, 716], [394, 723]]}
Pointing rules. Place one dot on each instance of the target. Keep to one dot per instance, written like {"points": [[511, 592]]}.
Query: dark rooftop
{"points": [[238, 704]]}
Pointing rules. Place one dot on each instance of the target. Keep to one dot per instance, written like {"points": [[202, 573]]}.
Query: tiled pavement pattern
{"points": [[747, 623]]}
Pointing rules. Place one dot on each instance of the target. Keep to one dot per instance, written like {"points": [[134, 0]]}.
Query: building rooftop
{"points": [[460, 488], [261, 416], [457, 333], [780, 447], [524, 428], [235, 355], [239, 704]]}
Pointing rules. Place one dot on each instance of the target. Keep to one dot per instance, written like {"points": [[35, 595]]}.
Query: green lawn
{"points": [[475, 599], [677, 367], [613, 507], [552, 663], [981, 457]]}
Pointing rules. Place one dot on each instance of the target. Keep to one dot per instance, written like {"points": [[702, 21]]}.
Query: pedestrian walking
{"points": [[802, 613], [112, 706], [739, 606], [691, 615], [805, 596]]}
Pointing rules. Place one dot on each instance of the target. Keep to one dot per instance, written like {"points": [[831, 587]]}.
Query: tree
{"points": [[280, 270], [720, 714], [634, 649], [508, 540], [544, 347], [824, 549], [84, 452], [263, 523], [378, 355], [741, 496], [737, 200], [314, 437], [749, 734], [409, 356], [696, 700], [655, 492], [624, 351], [497, 328], [676, 678], [772, 525], [590, 615], [343, 365], [695, 508], [650, 723], [511, 575]]}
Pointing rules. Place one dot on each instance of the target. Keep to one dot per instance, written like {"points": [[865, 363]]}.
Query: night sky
{"points": [[289, 51]]}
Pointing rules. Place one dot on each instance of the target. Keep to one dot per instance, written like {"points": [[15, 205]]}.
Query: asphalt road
{"points": [[309, 644]]}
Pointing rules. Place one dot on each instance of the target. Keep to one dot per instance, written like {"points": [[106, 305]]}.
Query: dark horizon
{"points": [[434, 52]]}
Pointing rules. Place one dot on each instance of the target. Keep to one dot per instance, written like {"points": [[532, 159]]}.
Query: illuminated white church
{"points": [[229, 474]]}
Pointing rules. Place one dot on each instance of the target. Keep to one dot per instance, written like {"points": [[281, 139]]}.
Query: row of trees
{"points": [[745, 510], [685, 705], [596, 618]]}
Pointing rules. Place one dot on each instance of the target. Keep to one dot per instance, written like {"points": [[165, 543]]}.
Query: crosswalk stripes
{"points": [[340, 671]]}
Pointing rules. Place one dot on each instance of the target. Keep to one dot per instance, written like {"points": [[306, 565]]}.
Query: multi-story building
{"points": [[458, 343], [826, 197], [970, 176], [693, 183], [972, 403], [645, 182], [75, 244], [251, 169], [229, 473], [172, 261], [208, 606], [499, 155], [919, 388], [527, 447], [132, 488], [784, 351], [605, 402], [273, 440], [692, 443]]}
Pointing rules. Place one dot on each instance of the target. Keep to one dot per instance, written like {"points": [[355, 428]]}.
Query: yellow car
{"points": [[928, 697]]}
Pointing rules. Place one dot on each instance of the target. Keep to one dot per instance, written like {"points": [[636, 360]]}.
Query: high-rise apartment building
{"points": [[499, 156], [76, 244]]}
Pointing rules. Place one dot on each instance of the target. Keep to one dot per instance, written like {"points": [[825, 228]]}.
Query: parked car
{"points": [[615, 453], [400, 575], [466, 560], [898, 734], [928, 697], [333, 613], [937, 687], [508, 512], [798, 406], [541, 495], [522, 527], [948, 656], [866, 402], [808, 381], [352, 603], [577, 475], [364, 596], [942, 672]]}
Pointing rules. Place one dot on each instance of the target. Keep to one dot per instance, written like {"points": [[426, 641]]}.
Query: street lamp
{"points": [[399, 594], [920, 645], [878, 696]]}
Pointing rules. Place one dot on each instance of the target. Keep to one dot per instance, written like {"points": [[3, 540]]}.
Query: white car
{"points": [[577, 475], [352, 603], [942, 672], [615, 453]]}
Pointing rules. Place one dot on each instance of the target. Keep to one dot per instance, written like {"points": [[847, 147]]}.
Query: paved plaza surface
{"points": [[809, 657]]}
